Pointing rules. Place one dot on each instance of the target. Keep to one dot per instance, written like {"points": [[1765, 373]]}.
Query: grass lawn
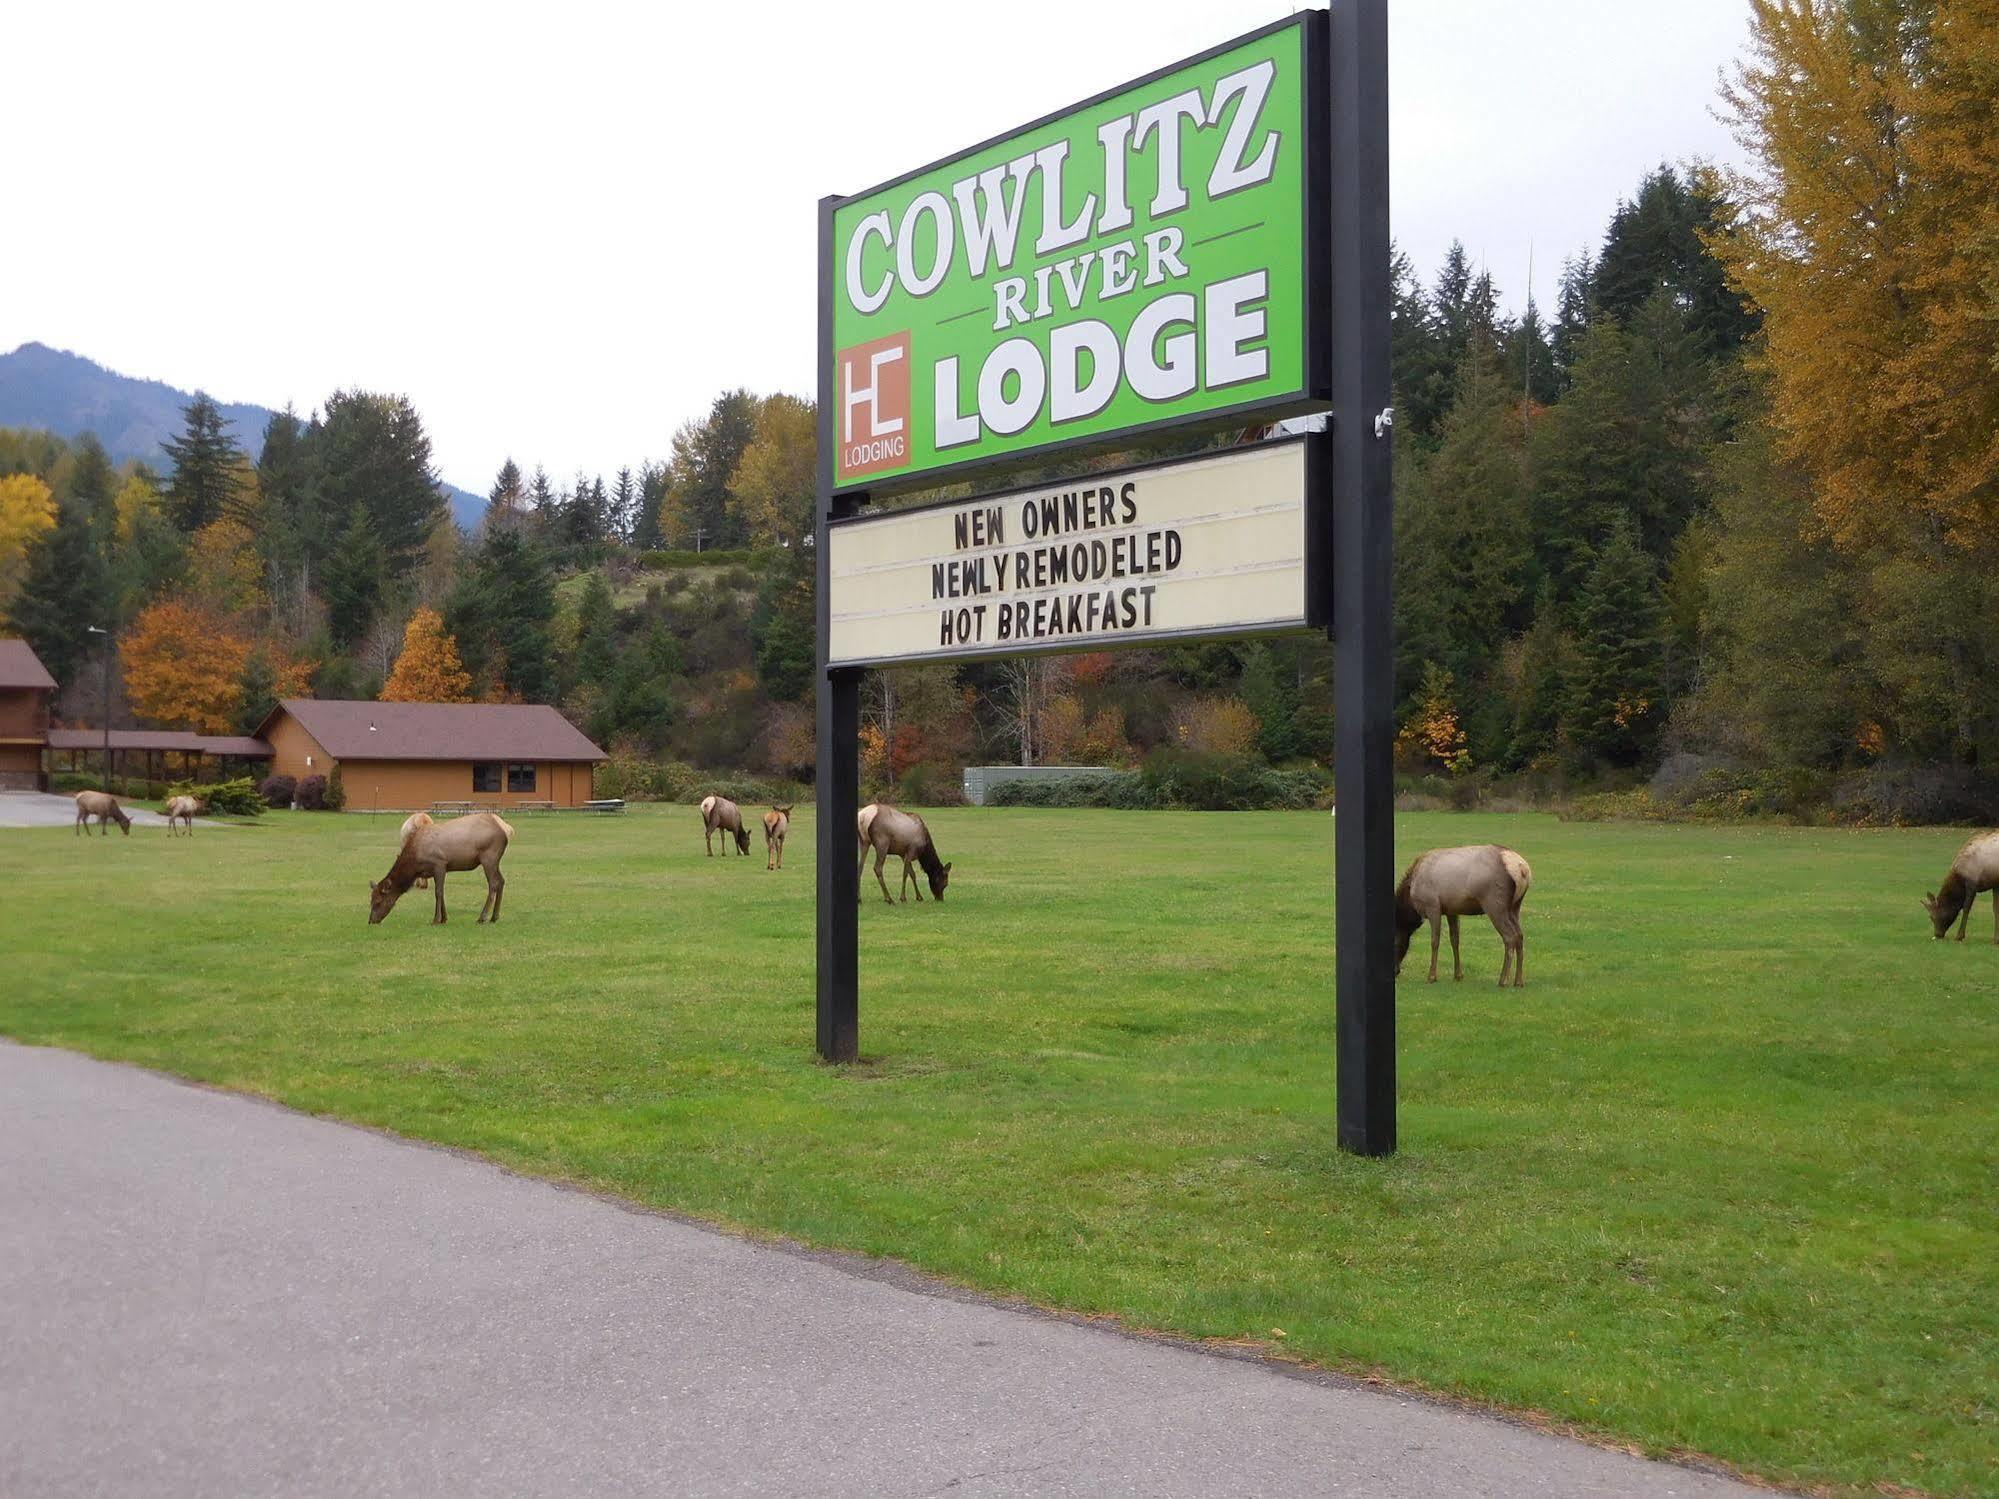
{"points": [[1723, 1178]]}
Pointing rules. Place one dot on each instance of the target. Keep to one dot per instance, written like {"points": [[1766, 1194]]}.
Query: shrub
{"points": [[713, 557], [1903, 795], [237, 798], [336, 792], [277, 791], [1173, 778], [929, 784], [311, 794]]}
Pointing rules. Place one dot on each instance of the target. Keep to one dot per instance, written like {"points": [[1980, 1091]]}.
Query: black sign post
{"points": [[837, 782], [1363, 570], [1347, 548]]}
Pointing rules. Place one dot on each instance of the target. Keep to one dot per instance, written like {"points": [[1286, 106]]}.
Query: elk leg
{"points": [[909, 873], [1436, 936], [1519, 954], [437, 888], [499, 882], [881, 857], [1963, 916], [1457, 960], [708, 838]]}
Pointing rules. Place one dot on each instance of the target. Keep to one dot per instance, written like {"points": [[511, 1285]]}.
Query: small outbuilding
{"points": [[25, 690], [411, 756]]}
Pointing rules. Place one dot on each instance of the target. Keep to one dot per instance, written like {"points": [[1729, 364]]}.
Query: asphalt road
{"points": [[206, 1294], [35, 809]]}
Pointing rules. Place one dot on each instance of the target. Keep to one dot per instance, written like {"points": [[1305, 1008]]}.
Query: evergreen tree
{"points": [[203, 487], [638, 704], [372, 452], [1615, 699], [297, 533], [1462, 555], [582, 513], [356, 575], [1530, 362], [1655, 244], [622, 515], [1541, 687], [1572, 317], [1270, 690], [1422, 378], [705, 455], [596, 633], [507, 501], [64, 591], [93, 487], [653, 485], [500, 613], [784, 626], [544, 506]]}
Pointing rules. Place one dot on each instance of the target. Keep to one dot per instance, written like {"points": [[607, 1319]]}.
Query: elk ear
{"points": [[947, 869]]}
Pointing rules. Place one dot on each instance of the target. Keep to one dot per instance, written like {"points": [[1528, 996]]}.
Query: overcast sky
{"points": [[562, 229]]}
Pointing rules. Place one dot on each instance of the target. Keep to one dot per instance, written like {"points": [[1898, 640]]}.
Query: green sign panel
{"points": [[1136, 262]]}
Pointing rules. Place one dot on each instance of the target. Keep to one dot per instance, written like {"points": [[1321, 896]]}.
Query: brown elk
{"points": [[477, 841], [719, 813], [1447, 883], [888, 830], [410, 824], [181, 809], [777, 822], [104, 807], [1974, 871]]}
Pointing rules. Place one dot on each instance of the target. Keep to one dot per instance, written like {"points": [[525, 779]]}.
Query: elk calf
{"points": [[777, 822]]}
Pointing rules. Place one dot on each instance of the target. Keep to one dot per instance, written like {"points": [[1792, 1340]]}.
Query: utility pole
{"points": [[95, 630]]}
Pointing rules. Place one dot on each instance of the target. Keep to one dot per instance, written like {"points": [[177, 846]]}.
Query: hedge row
{"points": [[714, 557], [1173, 780]]}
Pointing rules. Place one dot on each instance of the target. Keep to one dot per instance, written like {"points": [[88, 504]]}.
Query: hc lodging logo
{"points": [[874, 406]]}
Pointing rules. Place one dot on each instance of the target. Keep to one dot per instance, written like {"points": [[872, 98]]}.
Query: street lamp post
{"points": [[97, 630]]}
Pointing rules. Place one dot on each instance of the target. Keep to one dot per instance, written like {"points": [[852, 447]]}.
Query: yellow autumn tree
{"points": [[428, 670], [1867, 231], [134, 498], [27, 509], [1432, 734], [184, 667], [774, 482]]}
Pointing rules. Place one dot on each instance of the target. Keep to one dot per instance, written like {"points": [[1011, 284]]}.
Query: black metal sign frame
{"points": [[1347, 369]]}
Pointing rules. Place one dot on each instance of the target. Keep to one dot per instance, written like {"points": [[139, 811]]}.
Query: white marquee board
{"points": [[1214, 545]]}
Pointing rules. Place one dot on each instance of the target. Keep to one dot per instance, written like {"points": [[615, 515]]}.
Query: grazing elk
{"points": [[719, 813], [104, 807], [888, 831], [476, 841], [1974, 871], [1447, 883], [181, 809], [410, 824], [777, 822]]}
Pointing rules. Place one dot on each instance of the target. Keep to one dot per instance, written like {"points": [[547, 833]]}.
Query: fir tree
{"points": [[93, 486], [1572, 317], [506, 502], [355, 576], [204, 457], [64, 591], [500, 614], [1270, 691], [1615, 699], [622, 515], [638, 704], [596, 633], [373, 452], [784, 626]]}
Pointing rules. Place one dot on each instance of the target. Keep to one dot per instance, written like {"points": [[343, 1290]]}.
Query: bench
{"points": [[613, 805], [449, 809]]}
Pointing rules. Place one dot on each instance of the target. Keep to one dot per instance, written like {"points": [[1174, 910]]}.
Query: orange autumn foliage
{"points": [[184, 667], [428, 669]]}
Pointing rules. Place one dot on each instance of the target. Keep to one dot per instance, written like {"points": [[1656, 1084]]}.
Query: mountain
{"points": [[56, 391]]}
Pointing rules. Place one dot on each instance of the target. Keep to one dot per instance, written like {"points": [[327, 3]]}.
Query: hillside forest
{"points": [[1723, 522]]}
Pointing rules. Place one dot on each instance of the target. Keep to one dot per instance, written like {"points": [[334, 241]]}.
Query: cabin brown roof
{"points": [[437, 731], [179, 741], [20, 667]]}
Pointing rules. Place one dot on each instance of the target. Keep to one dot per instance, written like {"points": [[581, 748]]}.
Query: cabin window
{"points": [[520, 777], [486, 775]]}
